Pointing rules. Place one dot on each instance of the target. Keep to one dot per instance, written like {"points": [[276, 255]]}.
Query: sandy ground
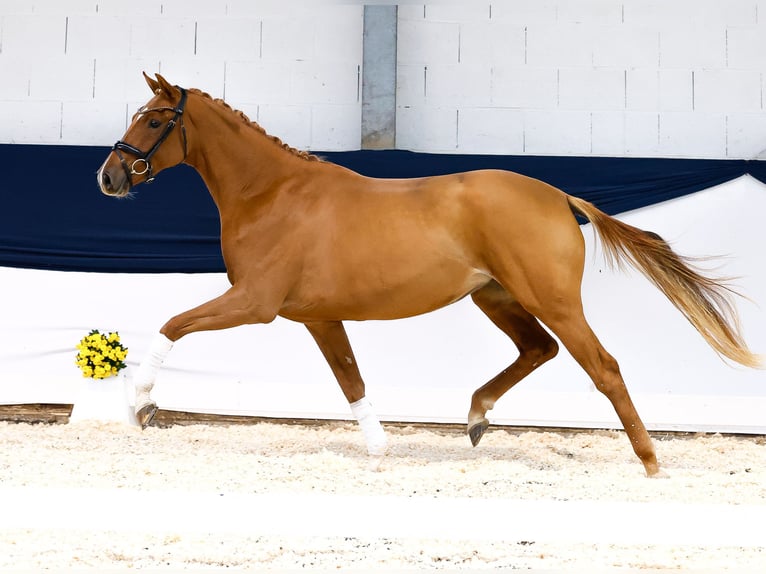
{"points": [[326, 463]]}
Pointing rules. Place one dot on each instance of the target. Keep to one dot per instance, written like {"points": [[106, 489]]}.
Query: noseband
{"points": [[142, 165]]}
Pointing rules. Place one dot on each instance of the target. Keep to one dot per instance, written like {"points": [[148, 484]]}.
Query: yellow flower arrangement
{"points": [[100, 355]]}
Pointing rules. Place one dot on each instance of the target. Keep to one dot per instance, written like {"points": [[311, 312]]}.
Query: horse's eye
{"points": [[154, 123]]}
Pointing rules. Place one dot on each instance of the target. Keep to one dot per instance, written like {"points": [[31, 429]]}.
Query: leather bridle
{"points": [[142, 165]]}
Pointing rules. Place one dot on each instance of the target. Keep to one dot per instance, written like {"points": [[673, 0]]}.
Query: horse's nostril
{"points": [[106, 180]]}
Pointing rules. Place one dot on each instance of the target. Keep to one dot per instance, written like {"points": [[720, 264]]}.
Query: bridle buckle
{"points": [[134, 171]]}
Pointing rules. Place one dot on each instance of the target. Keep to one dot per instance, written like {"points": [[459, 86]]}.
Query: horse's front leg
{"points": [[333, 342], [229, 310], [143, 379]]}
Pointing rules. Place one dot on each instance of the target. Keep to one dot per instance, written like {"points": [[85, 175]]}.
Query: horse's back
{"points": [[391, 248], [504, 213]]}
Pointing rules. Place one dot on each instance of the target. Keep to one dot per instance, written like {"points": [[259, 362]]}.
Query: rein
{"points": [[142, 165]]}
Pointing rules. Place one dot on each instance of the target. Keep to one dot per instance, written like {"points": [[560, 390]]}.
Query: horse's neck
{"points": [[237, 162]]}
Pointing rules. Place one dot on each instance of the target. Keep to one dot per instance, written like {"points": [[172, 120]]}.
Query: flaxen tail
{"points": [[706, 302]]}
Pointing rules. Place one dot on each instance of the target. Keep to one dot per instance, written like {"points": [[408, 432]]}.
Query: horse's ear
{"points": [[166, 86], [152, 83]]}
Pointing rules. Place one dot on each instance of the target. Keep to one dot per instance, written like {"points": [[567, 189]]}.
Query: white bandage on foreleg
{"points": [[143, 380], [373, 432]]}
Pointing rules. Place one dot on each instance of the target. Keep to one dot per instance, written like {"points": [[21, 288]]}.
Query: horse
{"points": [[319, 244]]}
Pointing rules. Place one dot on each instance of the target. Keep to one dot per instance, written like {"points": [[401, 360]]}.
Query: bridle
{"points": [[142, 165]]}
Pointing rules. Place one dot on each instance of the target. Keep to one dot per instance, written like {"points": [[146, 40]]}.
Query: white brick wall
{"points": [[680, 78], [71, 69]]}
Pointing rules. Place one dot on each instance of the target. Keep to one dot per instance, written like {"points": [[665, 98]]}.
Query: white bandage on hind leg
{"points": [[143, 380], [373, 432]]}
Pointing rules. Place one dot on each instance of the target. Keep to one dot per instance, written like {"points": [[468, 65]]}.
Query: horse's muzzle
{"points": [[112, 180]]}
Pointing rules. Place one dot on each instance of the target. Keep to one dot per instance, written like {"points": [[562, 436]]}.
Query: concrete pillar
{"points": [[379, 78]]}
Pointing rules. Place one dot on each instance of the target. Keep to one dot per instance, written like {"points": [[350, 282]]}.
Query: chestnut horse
{"points": [[318, 244]]}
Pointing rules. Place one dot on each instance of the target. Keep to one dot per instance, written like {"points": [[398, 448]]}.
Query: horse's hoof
{"points": [[145, 414], [375, 462], [476, 431], [659, 473]]}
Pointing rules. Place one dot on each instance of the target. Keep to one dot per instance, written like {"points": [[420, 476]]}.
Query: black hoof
{"points": [[145, 415], [476, 431]]}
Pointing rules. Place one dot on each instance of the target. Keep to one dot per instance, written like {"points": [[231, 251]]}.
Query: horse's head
{"points": [[155, 140]]}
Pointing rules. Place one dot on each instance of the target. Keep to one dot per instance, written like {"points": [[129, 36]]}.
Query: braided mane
{"points": [[299, 153]]}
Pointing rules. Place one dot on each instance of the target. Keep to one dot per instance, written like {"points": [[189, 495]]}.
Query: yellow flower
{"points": [[100, 355]]}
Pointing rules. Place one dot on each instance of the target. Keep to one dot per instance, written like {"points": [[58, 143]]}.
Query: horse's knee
{"points": [[172, 329]]}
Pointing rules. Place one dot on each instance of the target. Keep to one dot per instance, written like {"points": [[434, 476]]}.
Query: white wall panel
{"points": [[739, 128], [287, 38], [41, 34], [290, 123], [326, 82], [257, 81], [557, 132], [746, 47], [491, 130], [727, 90], [726, 13], [80, 55], [337, 33], [88, 35], [704, 57], [146, 8], [426, 128], [492, 43], [31, 122], [642, 134], [700, 134], [676, 90], [557, 45], [626, 47], [120, 80], [459, 12], [227, 38], [207, 74], [15, 84], [410, 85], [425, 42], [62, 78], [659, 90], [526, 13], [334, 124], [661, 14], [83, 122], [525, 87], [604, 12], [591, 89], [161, 37], [607, 132], [693, 46], [458, 84], [200, 8], [698, 61]]}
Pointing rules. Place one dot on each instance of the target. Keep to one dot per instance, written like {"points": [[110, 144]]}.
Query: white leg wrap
{"points": [[143, 380], [373, 432]]}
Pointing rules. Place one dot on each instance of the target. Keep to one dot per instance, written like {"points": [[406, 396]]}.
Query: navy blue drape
{"points": [[52, 215]]}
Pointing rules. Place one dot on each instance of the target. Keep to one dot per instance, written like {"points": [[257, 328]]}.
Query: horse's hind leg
{"points": [[534, 343], [332, 340], [574, 332]]}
